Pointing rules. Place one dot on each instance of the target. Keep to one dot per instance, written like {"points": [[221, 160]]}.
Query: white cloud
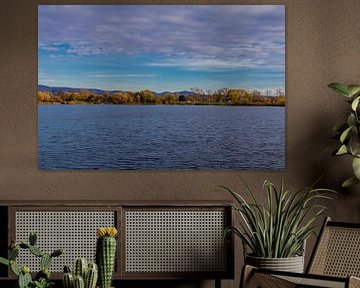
{"points": [[187, 36], [120, 75], [207, 64]]}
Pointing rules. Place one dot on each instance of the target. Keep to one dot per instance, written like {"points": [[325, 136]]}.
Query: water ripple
{"points": [[161, 137]]}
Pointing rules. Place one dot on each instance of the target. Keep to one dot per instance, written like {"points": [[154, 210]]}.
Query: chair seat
{"points": [[268, 279], [315, 282]]}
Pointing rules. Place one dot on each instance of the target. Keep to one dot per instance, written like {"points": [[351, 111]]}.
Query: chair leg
{"points": [[246, 273], [217, 283]]}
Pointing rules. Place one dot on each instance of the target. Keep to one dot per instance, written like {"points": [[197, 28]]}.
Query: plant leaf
{"points": [[353, 89], [342, 150], [355, 103], [356, 167], [340, 88], [354, 145], [349, 182], [345, 134], [4, 261], [351, 120]]}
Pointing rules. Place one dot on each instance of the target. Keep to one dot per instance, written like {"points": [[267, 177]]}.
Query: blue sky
{"points": [[162, 47]]}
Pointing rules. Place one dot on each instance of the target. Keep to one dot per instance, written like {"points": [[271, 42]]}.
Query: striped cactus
{"points": [[81, 266], [84, 276], [91, 276], [106, 254], [79, 282], [68, 280]]}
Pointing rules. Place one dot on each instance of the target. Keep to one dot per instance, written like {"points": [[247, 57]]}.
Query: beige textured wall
{"points": [[322, 46]]}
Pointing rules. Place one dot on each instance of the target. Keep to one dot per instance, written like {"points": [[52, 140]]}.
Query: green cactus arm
{"points": [[24, 280], [92, 266], [67, 269], [45, 261], [4, 261], [79, 282], [14, 268], [91, 275], [24, 245], [32, 238], [13, 253], [36, 251], [57, 252], [68, 280], [81, 266], [25, 269]]}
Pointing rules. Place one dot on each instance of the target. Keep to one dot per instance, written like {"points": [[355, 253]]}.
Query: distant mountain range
{"points": [[55, 90]]}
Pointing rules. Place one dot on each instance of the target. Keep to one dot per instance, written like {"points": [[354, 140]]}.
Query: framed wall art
{"points": [[161, 87]]}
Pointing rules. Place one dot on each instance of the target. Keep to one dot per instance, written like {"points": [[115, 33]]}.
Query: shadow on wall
{"points": [[331, 170]]}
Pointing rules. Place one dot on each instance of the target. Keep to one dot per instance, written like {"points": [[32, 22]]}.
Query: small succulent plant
{"points": [[106, 254], [43, 283], [42, 278]]}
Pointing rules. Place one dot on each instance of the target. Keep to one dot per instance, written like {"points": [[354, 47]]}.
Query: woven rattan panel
{"points": [[338, 253], [75, 231], [175, 241], [311, 282]]}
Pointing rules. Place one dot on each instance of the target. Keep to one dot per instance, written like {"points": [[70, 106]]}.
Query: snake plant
{"points": [[279, 228], [349, 131]]}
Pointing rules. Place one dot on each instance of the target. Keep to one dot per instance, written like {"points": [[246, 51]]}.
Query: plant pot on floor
{"points": [[290, 264], [275, 233]]}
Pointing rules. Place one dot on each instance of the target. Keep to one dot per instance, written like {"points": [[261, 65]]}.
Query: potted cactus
{"points": [[42, 278], [85, 275], [106, 254]]}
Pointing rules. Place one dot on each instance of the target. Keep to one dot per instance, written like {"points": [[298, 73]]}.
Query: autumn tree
{"points": [[146, 97], [45, 96], [234, 96]]}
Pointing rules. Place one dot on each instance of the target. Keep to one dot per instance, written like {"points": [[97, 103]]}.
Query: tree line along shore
{"points": [[222, 96]]}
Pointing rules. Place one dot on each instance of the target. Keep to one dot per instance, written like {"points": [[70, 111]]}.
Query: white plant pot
{"points": [[291, 264]]}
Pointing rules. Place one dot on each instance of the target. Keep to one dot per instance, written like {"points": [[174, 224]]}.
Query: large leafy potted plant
{"points": [[276, 233], [349, 131]]}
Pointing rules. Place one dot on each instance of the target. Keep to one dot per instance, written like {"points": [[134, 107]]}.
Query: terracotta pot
{"points": [[291, 264]]}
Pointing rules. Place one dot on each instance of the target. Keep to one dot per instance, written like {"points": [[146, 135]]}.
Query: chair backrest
{"points": [[337, 251]]}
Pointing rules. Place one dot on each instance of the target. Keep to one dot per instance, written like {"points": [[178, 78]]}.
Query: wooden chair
{"points": [[335, 262]]}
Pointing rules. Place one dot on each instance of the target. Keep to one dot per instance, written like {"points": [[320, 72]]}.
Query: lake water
{"points": [[129, 137]]}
